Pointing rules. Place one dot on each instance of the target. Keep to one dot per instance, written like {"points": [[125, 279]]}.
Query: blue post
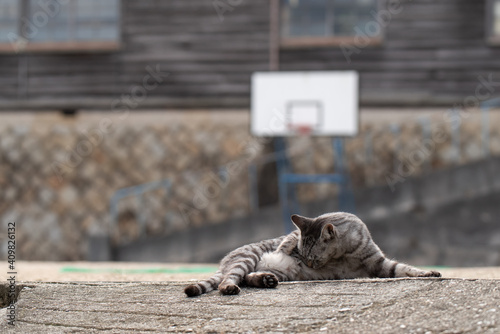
{"points": [[283, 164], [338, 146]]}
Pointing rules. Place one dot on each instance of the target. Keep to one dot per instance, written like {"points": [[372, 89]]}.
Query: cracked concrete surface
{"points": [[351, 306]]}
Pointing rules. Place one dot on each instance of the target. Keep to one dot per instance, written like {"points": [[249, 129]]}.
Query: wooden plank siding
{"points": [[209, 62], [432, 54]]}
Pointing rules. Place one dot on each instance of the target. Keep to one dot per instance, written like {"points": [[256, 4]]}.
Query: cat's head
{"points": [[318, 241]]}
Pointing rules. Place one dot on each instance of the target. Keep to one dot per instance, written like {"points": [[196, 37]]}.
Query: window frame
{"points": [[326, 41], [71, 46], [491, 38]]}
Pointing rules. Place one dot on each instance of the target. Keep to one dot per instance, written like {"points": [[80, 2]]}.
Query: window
{"points": [[327, 22], [59, 25], [493, 21], [9, 10]]}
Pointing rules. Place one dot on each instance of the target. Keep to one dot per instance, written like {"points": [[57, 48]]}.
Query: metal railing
{"points": [[287, 179], [137, 192]]}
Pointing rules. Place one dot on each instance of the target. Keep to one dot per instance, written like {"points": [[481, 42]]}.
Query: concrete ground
{"points": [[77, 301]]}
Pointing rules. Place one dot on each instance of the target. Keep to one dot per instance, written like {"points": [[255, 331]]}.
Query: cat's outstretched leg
{"points": [[380, 266], [240, 262], [404, 270], [205, 286]]}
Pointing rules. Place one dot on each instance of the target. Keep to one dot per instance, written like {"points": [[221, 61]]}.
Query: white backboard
{"points": [[325, 102]]}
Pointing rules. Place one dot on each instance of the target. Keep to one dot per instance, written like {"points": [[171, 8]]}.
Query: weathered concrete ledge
{"points": [[353, 306]]}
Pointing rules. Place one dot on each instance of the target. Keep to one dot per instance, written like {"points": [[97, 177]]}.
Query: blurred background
{"points": [[125, 126]]}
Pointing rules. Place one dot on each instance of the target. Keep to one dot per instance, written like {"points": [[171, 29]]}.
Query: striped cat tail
{"points": [[205, 286]]}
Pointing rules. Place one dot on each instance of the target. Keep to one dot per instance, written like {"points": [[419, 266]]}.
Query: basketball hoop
{"points": [[316, 103]]}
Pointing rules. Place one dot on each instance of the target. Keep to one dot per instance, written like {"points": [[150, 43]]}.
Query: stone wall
{"points": [[392, 147], [58, 174]]}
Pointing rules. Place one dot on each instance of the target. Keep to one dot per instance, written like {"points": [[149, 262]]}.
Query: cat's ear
{"points": [[329, 232], [301, 222]]}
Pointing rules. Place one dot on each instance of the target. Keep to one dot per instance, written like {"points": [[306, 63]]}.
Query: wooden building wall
{"points": [[209, 61], [432, 54]]}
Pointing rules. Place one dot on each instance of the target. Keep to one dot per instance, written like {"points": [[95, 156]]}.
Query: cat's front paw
{"points": [[430, 274], [229, 289], [270, 280]]}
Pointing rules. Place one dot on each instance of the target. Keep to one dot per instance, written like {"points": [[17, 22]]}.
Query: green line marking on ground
{"points": [[181, 270]]}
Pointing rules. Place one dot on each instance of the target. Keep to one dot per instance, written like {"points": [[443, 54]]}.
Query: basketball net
{"points": [[302, 130]]}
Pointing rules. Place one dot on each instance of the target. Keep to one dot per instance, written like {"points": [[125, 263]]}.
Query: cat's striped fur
{"points": [[234, 267], [332, 246]]}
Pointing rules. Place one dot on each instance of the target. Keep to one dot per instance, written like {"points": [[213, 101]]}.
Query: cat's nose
{"points": [[309, 263]]}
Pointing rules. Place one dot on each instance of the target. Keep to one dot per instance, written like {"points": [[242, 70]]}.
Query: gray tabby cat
{"points": [[332, 246]]}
